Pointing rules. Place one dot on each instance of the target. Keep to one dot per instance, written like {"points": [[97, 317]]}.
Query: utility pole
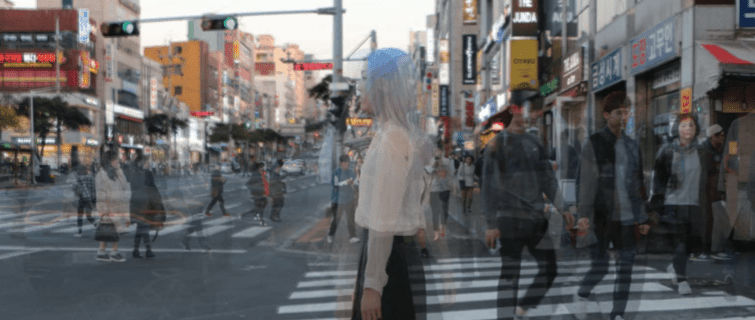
{"points": [[337, 70], [57, 87]]}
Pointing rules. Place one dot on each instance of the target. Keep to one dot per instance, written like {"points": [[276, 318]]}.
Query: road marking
{"points": [[95, 249], [324, 283], [321, 294], [87, 226], [342, 273], [436, 286], [312, 184], [251, 232], [219, 221], [211, 231], [17, 253]]}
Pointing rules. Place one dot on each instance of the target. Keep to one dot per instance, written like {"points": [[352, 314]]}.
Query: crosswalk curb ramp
{"points": [[467, 288]]}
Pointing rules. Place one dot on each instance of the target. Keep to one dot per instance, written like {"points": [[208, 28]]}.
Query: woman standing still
{"points": [[113, 196], [466, 182], [679, 181]]}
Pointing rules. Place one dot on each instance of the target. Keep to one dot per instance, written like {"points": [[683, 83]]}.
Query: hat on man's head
{"points": [[714, 129]]}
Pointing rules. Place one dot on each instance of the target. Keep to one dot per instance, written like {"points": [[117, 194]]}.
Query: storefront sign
{"points": [[495, 70], [444, 74], [91, 142], [25, 141], [666, 77], [606, 71], [128, 111], [469, 113], [572, 74], [469, 59], [445, 108], [84, 26], [653, 47], [85, 73], [488, 109], [443, 48], [524, 18], [496, 34], [686, 100], [470, 11], [202, 113], [746, 13], [359, 122], [523, 55], [92, 101], [29, 59], [153, 93], [549, 87]]}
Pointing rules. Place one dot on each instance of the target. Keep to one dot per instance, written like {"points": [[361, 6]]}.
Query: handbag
{"points": [[106, 231]]}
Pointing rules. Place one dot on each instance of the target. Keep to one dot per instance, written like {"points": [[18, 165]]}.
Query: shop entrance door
{"points": [[566, 136]]}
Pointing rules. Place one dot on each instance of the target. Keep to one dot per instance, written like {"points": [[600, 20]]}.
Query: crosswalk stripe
{"points": [[435, 286], [251, 232], [637, 270], [16, 254], [87, 226], [325, 283], [211, 231], [219, 221], [321, 294], [341, 273]]}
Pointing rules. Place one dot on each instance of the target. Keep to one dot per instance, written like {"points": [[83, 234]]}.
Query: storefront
{"points": [[607, 75]]}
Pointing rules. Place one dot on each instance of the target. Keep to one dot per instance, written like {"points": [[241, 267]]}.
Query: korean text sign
{"points": [[607, 71], [653, 47]]}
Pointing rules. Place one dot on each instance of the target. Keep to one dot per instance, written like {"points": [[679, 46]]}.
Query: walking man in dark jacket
{"points": [[84, 188], [277, 192], [517, 175], [145, 204], [259, 186], [216, 191], [611, 204]]}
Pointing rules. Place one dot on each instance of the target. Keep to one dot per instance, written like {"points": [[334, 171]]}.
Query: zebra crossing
{"points": [[467, 288], [66, 223]]}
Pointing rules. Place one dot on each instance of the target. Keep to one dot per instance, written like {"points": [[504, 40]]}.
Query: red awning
{"points": [[724, 56], [717, 59]]}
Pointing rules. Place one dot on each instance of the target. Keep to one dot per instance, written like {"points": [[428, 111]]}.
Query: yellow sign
{"points": [[235, 50], [470, 11], [435, 100], [523, 60], [686, 100], [733, 148], [359, 122], [443, 48]]}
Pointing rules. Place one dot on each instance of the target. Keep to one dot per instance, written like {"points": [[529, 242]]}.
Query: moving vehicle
{"points": [[293, 167]]}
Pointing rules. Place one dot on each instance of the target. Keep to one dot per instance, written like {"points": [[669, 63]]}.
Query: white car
{"points": [[293, 167], [225, 168]]}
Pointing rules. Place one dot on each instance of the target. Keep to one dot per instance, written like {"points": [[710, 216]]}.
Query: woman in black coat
{"points": [[146, 206]]}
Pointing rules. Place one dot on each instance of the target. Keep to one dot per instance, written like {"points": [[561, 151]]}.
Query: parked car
{"points": [[293, 167]]}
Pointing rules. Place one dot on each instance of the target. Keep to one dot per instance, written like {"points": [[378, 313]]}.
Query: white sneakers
{"points": [[672, 272], [354, 240], [684, 288], [77, 235], [580, 306], [330, 239]]}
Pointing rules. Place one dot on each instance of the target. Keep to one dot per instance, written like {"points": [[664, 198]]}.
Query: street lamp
{"points": [[31, 129]]}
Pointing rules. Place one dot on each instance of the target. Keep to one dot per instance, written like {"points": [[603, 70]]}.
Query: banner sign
{"points": [[572, 74], [686, 100], [746, 13], [653, 47], [430, 46], [469, 59], [153, 93], [523, 55], [84, 26], [445, 108], [606, 71], [435, 99]]}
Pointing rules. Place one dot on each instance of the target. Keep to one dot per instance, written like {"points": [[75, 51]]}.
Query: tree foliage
{"points": [[8, 118], [163, 124], [240, 134], [321, 91], [52, 114]]}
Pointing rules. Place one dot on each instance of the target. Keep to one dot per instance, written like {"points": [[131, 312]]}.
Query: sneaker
{"points": [[722, 256], [701, 257], [275, 219], [207, 214], [150, 254], [136, 254], [103, 257], [618, 318], [684, 288], [580, 306], [77, 235], [117, 257], [227, 215], [354, 240], [672, 272], [330, 239]]}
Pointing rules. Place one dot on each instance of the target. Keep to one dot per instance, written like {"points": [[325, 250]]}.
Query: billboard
{"points": [[470, 11], [523, 61], [524, 18], [653, 47], [469, 59]]}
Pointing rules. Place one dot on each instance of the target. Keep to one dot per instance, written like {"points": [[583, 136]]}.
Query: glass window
{"points": [[26, 38], [42, 37], [10, 37], [178, 90]]}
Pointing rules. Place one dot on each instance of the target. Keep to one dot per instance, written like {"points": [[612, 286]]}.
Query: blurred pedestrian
{"points": [[517, 174], [718, 227], [392, 184], [147, 209], [113, 197], [442, 183], [611, 204], [84, 188], [216, 191], [466, 181], [277, 192], [259, 186], [342, 199]]}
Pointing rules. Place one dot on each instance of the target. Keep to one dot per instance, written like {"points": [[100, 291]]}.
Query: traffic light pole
{"points": [[240, 14], [338, 71]]}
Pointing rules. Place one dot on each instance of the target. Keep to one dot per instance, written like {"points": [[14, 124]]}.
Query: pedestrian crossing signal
{"points": [[219, 23], [120, 29]]}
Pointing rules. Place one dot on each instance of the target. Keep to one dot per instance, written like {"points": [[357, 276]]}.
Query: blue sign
{"points": [[746, 13], [653, 47], [488, 110], [607, 71]]}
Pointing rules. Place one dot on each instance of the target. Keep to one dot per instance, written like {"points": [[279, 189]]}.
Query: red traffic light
{"points": [[429, 74]]}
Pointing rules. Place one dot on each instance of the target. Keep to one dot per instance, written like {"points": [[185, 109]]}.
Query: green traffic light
{"points": [[128, 27], [229, 23]]}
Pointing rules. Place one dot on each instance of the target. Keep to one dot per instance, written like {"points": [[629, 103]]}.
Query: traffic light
{"points": [[120, 29], [428, 85], [220, 23], [339, 112]]}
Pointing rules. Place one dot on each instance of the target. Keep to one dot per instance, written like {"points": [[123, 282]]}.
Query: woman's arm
{"points": [[379, 247]]}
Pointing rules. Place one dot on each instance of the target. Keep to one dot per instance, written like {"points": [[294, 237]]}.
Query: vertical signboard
{"points": [[153, 93], [523, 55], [445, 108], [686, 101], [469, 113], [430, 46], [109, 63], [85, 73], [443, 70], [653, 47], [109, 115], [469, 59], [470, 11], [84, 26], [746, 13], [572, 74], [435, 107], [606, 71], [524, 18]]}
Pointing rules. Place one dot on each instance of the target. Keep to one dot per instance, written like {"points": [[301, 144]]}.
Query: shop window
{"points": [[177, 50], [42, 38], [664, 108], [178, 90]]}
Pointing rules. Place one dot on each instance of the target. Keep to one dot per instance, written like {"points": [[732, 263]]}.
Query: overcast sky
{"points": [[392, 19]]}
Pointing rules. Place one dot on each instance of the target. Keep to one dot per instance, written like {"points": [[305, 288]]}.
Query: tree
{"points": [[321, 91], [8, 118], [163, 124], [52, 114]]}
